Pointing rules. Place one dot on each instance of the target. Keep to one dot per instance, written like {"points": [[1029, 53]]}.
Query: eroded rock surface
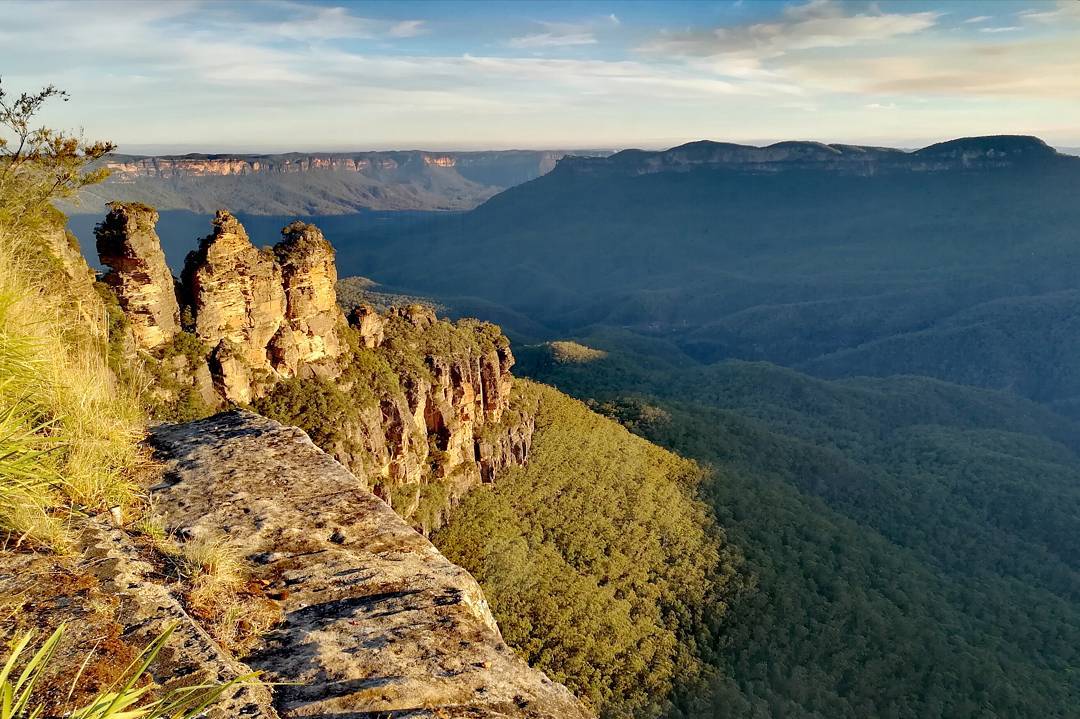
{"points": [[144, 286], [420, 404], [310, 333], [378, 623]]}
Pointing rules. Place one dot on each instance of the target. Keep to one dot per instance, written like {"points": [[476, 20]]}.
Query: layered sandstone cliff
{"points": [[265, 315]]}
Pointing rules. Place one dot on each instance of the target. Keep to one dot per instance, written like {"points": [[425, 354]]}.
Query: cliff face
{"points": [[310, 332], [495, 168], [451, 421], [140, 277], [377, 622], [320, 183], [420, 409]]}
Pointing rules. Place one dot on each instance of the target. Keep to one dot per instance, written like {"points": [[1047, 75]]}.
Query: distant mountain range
{"points": [[836, 259], [964, 153], [318, 183]]}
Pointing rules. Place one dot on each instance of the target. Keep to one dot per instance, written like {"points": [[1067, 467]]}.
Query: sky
{"points": [[277, 76]]}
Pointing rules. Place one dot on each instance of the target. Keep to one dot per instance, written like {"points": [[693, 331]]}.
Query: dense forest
{"points": [[912, 543], [601, 567]]}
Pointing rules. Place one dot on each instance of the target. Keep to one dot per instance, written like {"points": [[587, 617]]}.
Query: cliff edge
{"points": [[377, 622]]}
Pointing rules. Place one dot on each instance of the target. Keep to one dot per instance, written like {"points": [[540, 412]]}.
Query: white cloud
{"points": [[1004, 28], [548, 39], [1064, 10], [978, 19], [408, 28]]}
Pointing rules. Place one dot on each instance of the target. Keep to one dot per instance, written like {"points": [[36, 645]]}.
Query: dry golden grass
{"points": [[223, 596], [69, 430]]}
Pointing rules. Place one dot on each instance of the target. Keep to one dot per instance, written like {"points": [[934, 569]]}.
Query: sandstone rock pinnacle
{"points": [[311, 330], [127, 243], [238, 300]]}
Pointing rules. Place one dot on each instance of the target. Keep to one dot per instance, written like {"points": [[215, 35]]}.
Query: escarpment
{"points": [[418, 408], [377, 622]]}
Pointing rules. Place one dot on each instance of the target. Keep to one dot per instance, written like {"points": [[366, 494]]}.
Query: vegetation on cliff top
{"points": [[68, 429]]}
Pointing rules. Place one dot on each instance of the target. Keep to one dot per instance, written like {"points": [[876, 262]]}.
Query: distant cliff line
{"points": [[484, 165], [318, 183]]}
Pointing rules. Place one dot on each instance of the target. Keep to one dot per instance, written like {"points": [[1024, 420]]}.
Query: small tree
{"points": [[37, 164]]}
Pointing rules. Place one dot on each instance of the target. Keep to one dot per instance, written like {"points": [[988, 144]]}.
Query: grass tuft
{"points": [[223, 596]]}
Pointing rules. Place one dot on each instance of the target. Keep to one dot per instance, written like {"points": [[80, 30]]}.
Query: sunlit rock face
{"points": [[379, 622], [144, 286], [238, 301], [310, 333], [432, 422]]}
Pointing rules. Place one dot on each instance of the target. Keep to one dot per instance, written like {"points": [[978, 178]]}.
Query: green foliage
{"points": [[565, 352], [368, 373], [317, 406], [125, 700], [596, 559], [175, 396]]}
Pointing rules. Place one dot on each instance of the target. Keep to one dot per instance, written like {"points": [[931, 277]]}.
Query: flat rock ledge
{"points": [[378, 623]]}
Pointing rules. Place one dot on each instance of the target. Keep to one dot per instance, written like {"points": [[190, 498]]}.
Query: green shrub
{"points": [[19, 678]]}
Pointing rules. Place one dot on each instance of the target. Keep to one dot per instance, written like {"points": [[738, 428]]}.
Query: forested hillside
{"points": [[601, 567], [913, 542]]}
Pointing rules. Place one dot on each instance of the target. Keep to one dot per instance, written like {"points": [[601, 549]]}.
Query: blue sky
{"points": [[282, 75]]}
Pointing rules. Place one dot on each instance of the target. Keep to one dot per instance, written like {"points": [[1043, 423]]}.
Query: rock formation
{"points": [[140, 277], [378, 623], [238, 301], [369, 324], [310, 332], [265, 315], [448, 427], [421, 405]]}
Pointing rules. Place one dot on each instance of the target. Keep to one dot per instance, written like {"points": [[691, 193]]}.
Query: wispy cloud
{"points": [[555, 35], [1062, 10], [409, 28], [1003, 28]]}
